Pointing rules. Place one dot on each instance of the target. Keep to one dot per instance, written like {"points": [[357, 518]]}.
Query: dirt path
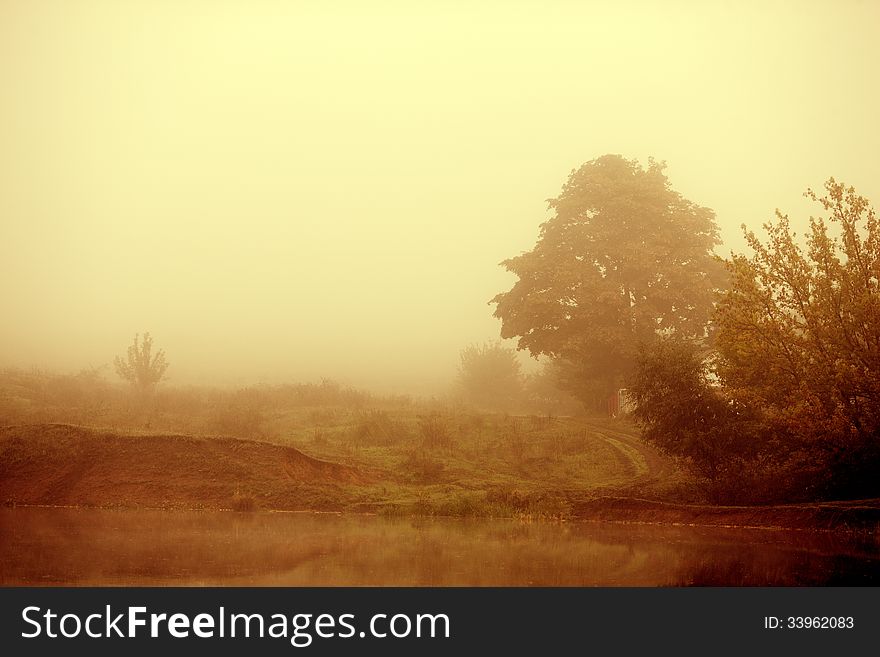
{"points": [[649, 467], [652, 472]]}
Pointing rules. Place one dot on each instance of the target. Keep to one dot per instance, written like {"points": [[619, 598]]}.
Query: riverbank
{"points": [[65, 465], [857, 515]]}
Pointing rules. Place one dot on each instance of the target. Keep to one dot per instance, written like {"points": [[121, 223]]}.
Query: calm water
{"points": [[99, 547]]}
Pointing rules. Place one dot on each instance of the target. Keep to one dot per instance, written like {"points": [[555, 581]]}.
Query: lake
{"points": [[95, 547]]}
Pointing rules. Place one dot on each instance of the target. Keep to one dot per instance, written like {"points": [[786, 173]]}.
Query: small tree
{"points": [[141, 368], [685, 415]]}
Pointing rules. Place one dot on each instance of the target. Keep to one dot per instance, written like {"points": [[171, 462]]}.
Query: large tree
{"points": [[623, 259]]}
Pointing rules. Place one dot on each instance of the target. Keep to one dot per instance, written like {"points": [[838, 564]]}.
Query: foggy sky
{"points": [[296, 190]]}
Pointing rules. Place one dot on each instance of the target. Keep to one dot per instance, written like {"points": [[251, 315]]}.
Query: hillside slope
{"points": [[58, 464]]}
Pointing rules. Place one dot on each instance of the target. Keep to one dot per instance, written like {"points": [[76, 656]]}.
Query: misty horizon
{"points": [[289, 193]]}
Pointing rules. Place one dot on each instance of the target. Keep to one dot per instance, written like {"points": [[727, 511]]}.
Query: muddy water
{"points": [[40, 546]]}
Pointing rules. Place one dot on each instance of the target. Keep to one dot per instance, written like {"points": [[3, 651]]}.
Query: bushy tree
{"points": [[683, 412], [624, 258], [793, 409], [141, 367], [799, 337], [489, 376]]}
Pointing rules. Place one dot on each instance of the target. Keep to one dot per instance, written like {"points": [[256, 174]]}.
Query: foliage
{"points": [[377, 429], [624, 258], [141, 368], [490, 377], [794, 412], [685, 415], [799, 336]]}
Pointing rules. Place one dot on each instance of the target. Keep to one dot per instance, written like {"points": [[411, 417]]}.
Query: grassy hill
{"points": [[366, 461], [509, 467]]}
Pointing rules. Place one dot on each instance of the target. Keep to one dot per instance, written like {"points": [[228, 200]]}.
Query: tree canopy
{"points": [[624, 258]]}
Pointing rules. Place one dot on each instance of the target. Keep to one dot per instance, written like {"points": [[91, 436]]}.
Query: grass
{"points": [[455, 463]]}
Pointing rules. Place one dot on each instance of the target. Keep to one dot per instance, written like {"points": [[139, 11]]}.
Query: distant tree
{"points": [[546, 395], [490, 377], [624, 258], [799, 336], [141, 368]]}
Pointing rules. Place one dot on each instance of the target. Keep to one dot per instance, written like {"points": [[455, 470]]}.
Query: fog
{"points": [[288, 191]]}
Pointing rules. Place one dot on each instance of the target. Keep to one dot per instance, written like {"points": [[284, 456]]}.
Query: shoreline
{"points": [[857, 516]]}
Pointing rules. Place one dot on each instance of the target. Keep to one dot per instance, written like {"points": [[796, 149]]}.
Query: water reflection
{"points": [[41, 546]]}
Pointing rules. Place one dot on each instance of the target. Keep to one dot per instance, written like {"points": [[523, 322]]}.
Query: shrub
{"points": [[422, 469], [377, 429], [244, 503]]}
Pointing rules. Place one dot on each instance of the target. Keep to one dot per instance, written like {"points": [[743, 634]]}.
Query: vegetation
{"points": [[776, 399], [799, 339], [243, 503], [415, 457], [490, 377], [142, 368], [685, 415], [793, 411], [624, 257]]}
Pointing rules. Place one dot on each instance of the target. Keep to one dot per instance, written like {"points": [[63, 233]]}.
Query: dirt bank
{"points": [[854, 515], [59, 464]]}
